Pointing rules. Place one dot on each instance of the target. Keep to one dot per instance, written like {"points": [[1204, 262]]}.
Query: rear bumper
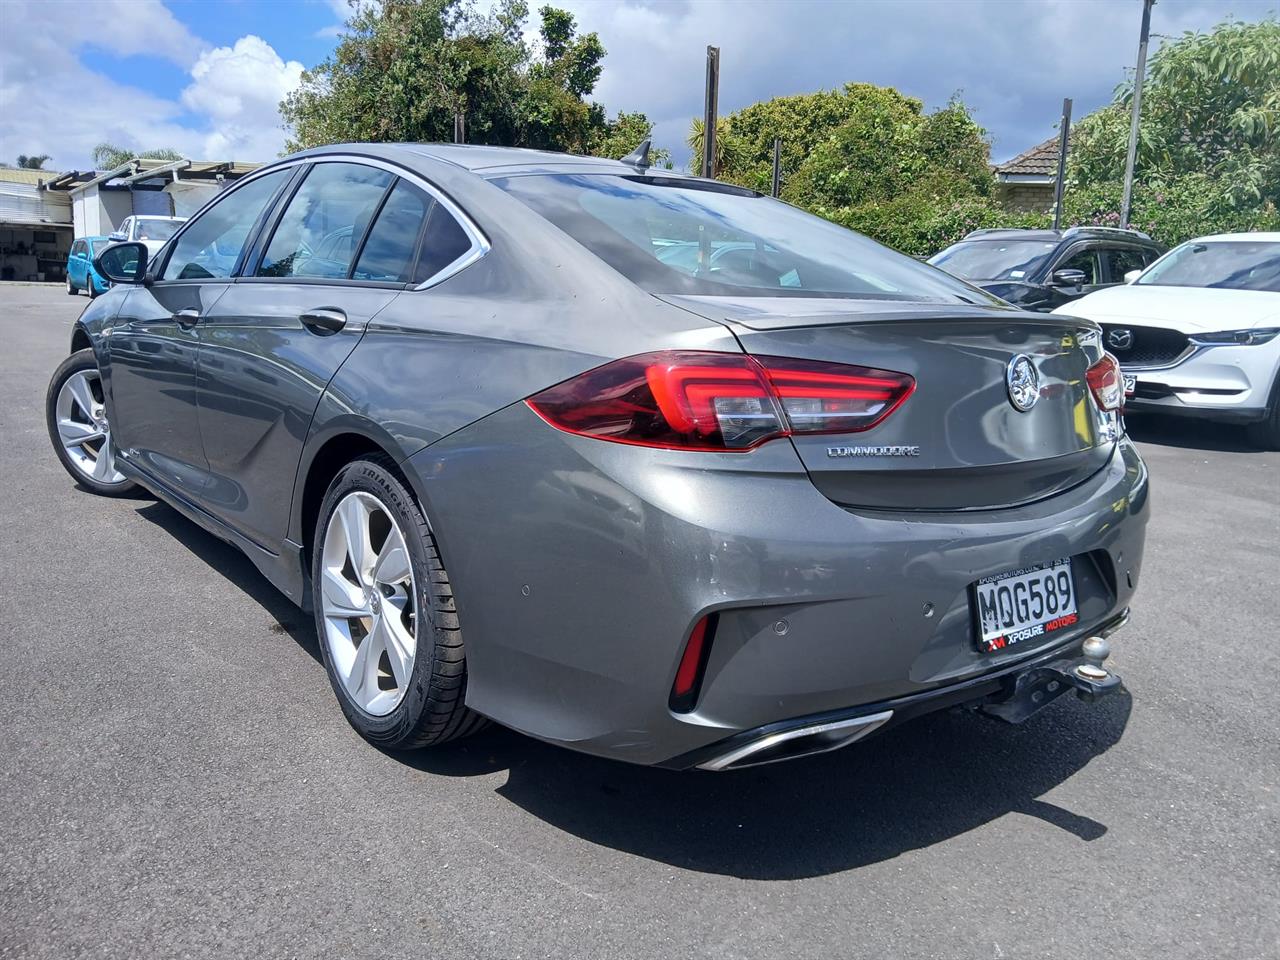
{"points": [[580, 568], [770, 743]]}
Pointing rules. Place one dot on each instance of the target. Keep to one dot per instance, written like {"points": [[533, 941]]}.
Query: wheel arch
{"points": [[327, 454], [80, 339]]}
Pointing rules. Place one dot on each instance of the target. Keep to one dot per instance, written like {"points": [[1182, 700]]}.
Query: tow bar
{"points": [[1029, 692]]}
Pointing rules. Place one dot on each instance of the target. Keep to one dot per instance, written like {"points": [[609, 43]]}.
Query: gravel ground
{"points": [[177, 781]]}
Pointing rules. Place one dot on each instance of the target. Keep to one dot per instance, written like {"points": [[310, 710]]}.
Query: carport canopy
{"points": [[141, 169]]}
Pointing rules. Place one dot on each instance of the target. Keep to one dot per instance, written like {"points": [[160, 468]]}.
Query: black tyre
{"points": [[385, 613], [71, 288], [89, 286], [75, 414], [1266, 433]]}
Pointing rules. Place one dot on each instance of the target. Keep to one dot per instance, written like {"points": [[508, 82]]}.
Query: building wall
{"points": [[97, 212], [1026, 197]]}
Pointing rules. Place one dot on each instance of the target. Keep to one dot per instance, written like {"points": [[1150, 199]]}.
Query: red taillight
{"points": [[834, 397], [684, 691], [1106, 383], [719, 401]]}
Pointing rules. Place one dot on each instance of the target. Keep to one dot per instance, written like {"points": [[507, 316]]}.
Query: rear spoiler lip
{"points": [[754, 313]]}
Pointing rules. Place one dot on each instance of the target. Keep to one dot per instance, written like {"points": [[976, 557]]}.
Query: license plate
{"points": [[1130, 384], [1022, 605]]}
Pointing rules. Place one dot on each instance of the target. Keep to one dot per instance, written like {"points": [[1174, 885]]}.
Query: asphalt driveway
{"points": [[176, 779]]}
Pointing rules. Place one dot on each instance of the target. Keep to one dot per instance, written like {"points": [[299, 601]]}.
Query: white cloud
{"points": [[239, 89], [1012, 61], [50, 102]]}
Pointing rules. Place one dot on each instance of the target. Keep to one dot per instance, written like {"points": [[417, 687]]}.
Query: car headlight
{"points": [[1245, 338]]}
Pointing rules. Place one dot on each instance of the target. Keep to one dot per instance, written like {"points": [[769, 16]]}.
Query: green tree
{"points": [[620, 136], [403, 69], [1208, 138], [108, 156], [867, 157], [32, 162]]}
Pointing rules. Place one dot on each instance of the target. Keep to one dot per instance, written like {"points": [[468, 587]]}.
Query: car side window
{"points": [[444, 242], [324, 222], [77, 248], [393, 240], [1085, 261], [1120, 260], [211, 245]]}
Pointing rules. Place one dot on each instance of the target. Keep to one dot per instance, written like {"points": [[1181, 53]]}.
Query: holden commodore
{"points": [[646, 465]]}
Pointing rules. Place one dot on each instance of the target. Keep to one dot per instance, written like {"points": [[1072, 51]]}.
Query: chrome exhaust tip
{"points": [[800, 742]]}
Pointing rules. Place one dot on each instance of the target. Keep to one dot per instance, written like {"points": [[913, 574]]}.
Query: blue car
{"points": [[80, 272]]}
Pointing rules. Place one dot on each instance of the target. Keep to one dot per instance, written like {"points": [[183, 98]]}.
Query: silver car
{"points": [[646, 465]]}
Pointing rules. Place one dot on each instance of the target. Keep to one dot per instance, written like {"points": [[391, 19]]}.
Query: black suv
{"points": [[1043, 269]]}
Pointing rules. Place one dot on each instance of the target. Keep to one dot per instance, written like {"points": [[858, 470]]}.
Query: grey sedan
{"points": [[646, 465]]}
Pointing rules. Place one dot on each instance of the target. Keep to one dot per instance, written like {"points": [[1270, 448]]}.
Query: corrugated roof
{"points": [[23, 175], [1040, 159]]}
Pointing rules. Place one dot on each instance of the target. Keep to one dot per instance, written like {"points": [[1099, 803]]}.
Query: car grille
{"points": [[1144, 346]]}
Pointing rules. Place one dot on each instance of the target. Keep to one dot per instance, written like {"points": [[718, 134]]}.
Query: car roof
{"points": [[1056, 236], [488, 161], [1013, 233]]}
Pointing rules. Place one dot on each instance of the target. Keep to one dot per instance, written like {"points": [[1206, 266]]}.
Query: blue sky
{"points": [[204, 76]]}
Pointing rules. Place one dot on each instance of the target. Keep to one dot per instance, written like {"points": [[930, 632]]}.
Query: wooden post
{"points": [[709, 114], [1063, 138], [1138, 77]]}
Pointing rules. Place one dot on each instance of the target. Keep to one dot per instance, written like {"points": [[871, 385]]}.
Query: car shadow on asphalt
{"points": [[1189, 434], [914, 786], [285, 617]]}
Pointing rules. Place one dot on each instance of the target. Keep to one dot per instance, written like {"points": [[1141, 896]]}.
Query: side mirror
{"points": [[1068, 278], [1132, 275], [123, 263]]}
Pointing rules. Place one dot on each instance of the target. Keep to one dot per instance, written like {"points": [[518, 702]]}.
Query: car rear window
{"points": [[678, 236], [149, 229]]}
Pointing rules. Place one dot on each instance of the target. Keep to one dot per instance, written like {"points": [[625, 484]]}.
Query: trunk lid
{"points": [[958, 442]]}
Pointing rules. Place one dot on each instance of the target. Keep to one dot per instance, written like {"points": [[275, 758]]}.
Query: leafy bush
{"points": [[867, 157], [1208, 141]]}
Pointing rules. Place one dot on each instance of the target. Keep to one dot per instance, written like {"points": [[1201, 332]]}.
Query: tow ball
{"points": [[1032, 690]]}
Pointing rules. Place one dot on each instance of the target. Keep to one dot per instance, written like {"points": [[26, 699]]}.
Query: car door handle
{"points": [[324, 320], [187, 318]]}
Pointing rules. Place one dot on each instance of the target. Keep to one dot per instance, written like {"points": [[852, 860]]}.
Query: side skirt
{"points": [[286, 570]]}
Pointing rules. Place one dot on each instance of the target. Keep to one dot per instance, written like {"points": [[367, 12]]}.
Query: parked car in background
{"points": [[696, 514], [81, 273], [1043, 269], [1198, 332], [151, 232]]}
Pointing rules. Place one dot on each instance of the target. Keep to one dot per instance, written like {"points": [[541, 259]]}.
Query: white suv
{"points": [[1198, 332], [151, 232]]}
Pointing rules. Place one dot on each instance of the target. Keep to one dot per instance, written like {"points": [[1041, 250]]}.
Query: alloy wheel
{"points": [[83, 428], [369, 599]]}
